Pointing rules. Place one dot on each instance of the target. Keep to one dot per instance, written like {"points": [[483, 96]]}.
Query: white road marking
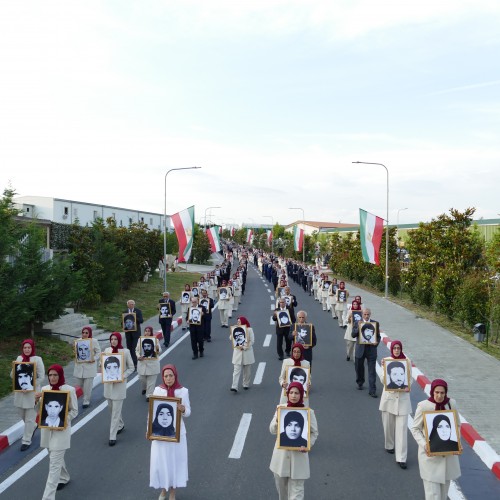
{"points": [[241, 434], [259, 374], [272, 307], [267, 340]]}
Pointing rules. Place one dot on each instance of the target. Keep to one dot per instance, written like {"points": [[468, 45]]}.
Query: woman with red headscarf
{"points": [[290, 467], [85, 371], [353, 315], [224, 303], [395, 405], [296, 359], [57, 441], [436, 471], [25, 400], [243, 357], [116, 392], [169, 460]]}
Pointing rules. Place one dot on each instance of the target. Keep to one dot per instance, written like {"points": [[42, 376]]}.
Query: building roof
{"points": [[320, 225]]}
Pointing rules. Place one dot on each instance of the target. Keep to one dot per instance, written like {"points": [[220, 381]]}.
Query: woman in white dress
{"points": [[169, 461]]}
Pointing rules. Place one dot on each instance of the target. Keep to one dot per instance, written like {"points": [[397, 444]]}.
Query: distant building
{"points": [[310, 226]]}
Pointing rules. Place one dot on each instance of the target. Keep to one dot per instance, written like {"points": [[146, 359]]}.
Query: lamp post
{"points": [[206, 214], [386, 295], [397, 221], [304, 224], [272, 236], [165, 226]]}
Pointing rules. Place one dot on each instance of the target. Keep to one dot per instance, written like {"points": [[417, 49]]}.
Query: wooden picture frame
{"points": [[164, 309], [164, 419], [301, 374], [326, 285], [441, 432], [223, 293], [23, 376], [294, 428], [205, 302], [397, 375], [129, 322], [185, 297], [194, 315], [283, 318], [280, 292], [288, 300], [342, 296], [195, 291], [147, 348], [239, 336], [357, 315], [84, 352], [302, 334], [112, 374], [365, 336], [53, 412]]}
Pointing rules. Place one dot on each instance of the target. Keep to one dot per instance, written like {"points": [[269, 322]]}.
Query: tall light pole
{"points": [[386, 226], [165, 226], [272, 236], [206, 214], [397, 221], [304, 224]]}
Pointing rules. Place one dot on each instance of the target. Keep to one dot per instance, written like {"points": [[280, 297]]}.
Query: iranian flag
{"points": [[269, 237], [249, 236], [184, 229], [233, 231], [213, 237], [298, 238], [371, 228]]}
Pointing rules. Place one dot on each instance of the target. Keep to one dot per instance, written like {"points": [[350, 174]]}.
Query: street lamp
{"points": [[272, 236], [386, 295], [165, 226], [206, 214], [304, 224], [397, 221]]}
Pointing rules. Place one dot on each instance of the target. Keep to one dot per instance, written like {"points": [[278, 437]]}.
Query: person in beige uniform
{"points": [[25, 400], [224, 304], [84, 373], [296, 359], [436, 471], [243, 357], [148, 366], [395, 407], [57, 441], [116, 392]]}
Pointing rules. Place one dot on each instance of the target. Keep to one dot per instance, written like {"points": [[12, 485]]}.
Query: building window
{"points": [[96, 214], [151, 221], [66, 210]]}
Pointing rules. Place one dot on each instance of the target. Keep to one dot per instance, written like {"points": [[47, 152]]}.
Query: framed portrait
{"points": [[164, 419], [326, 285], [195, 291], [441, 432], [224, 293], [357, 316], [239, 336], [303, 334], [194, 316], [147, 347], [112, 367], [129, 322], [83, 351], [165, 311], [185, 297], [298, 374], [368, 332], [397, 374], [206, 304], [294, 428], [283, 318], [24, 376], [53, 410], [280, 291], [341, 295], [288, 300]]}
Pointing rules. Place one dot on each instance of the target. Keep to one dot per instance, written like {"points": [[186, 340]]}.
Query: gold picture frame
{"points": [[129, 322], [223, 293], [194, 315], [185, 297], [205, 302], [161, 410], [239, 336], [84, 352], [397, 375], [112, 374], [301, 374], [53, 410], [290, 420], [283, 318], [23, 376], [368, 332], [164, 310], [306, 339], [148, 354], [441, 432]]}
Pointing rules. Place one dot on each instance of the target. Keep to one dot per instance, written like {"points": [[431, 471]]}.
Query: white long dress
{"points": [[169, 461]]}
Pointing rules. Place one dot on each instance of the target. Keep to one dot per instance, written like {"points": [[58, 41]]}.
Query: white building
{"points": [[70, 211]]}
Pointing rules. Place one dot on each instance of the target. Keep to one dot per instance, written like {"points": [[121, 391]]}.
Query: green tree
{"points": [[201, 246]]}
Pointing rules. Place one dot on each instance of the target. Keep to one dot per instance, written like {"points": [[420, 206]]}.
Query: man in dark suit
{"points": [[282, 332], [166, 307], [207, 304], [132, 336], [368, 352]]}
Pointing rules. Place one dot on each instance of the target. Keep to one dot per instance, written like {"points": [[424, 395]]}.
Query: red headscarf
{"points": [[342, 285], [300, 387], [60, 371], [439, 383], [149, 327], [358, 305], [244, 321], [119, 346], [32, 344], [176, 385], [296, 362], [89, 329], [395, 343]]}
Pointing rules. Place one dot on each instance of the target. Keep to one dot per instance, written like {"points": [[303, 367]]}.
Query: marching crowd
{"points": [[294, 421]]}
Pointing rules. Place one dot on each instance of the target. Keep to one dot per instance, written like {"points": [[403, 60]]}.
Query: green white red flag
{"points": [[184, 229], [249, 236], [371, 228], [213, 234], [269, 237], [298, 238]]}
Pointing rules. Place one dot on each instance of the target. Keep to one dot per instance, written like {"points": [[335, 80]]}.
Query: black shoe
{"points": [[391, 451], [209, 340], [402, 465], [85, 405], [233, 389], [373, 394], [194, 357], [143, 392], [165, 344], [281, 358], [360, 387], [24, 447], [183, 327], [112, 442], [335, 317], [121, 430], [246, 388], [201, 354], [60, 486], [348, 358]]}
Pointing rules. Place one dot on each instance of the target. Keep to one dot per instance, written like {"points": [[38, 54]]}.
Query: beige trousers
{"points": [[396, 434], [247, 371], [349, 348], [436, 491], [224, 316], [288, 488], [115, 406], [148, 383], [86, 384], [29, 417], [57, 474]]}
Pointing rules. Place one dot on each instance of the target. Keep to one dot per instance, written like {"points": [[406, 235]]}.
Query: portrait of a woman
{"points": [[440, 436], [163, 424]]}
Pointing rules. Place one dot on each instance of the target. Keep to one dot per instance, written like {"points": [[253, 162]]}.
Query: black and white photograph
{"points": [[298, 374], [368, 332], [302, 334], [54, 409], [283, 318], [195, 314], [24, 379], [205, 303], [223, 293], [147, 349], [238, 336], [341, 295], [185, 297], [397, 374], [293, 428], [83, 351], [195, 291], [441, 432], [129, 322], [112, 367], [280, 291], [357, 316], [326, 285], [164, 419], [165, 311]]}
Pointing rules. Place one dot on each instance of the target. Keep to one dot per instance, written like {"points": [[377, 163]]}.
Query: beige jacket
{"points": [[396, 403], [245, 356], [148, 366]]}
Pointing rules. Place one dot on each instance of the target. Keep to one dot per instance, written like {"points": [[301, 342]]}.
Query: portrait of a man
{"points": [[24, 377], [53, 409], [298, 374], [283, 318], [83, 351], [396, 375], [326, 285], [195, 291], [129, 322], [293, 428], [342, 296], [303, 334], [148, 347], [223, 293], [195, 315], [205, 303], [368, 332], [357, 316], [112, 367], [239, 336], [165, 311], [185, 297]]}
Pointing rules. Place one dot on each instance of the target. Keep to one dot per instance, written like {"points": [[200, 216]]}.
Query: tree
{"points": [[201, 246]]}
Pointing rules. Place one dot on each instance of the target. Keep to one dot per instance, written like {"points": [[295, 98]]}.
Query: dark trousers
{"points": [[132, 338], [166, 326], [196, 335], [359, 366], [282, 335], [207, 327]]}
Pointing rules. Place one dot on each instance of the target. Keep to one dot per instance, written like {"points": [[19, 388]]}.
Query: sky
{"points": [[273, 99]]}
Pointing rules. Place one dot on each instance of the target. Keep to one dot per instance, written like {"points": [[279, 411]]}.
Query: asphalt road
{"points": [[347, 462]]}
